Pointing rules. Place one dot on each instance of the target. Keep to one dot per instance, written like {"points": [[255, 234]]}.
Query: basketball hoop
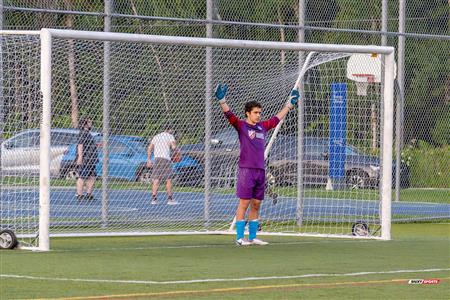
{"points": [[363, 83]]}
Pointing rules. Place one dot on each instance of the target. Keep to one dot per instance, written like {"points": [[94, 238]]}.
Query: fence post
{"points": [[300, 118], [208, 111], [401, 85], [106, 128]]}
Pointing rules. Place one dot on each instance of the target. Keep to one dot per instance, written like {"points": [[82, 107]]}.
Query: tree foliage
{"points": [[427, 63]]}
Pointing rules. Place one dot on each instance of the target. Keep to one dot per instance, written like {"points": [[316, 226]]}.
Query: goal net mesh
{"points": [[20, 116], [154, 86]]}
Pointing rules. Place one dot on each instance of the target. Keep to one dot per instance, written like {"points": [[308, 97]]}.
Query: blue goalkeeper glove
{"points": [[293, 98], [221, 91]]}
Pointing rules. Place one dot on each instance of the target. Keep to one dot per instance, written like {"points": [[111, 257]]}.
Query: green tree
{"points": [[427, 72]]}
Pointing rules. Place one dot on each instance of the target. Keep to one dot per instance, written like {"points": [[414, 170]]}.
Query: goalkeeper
{"points": [[251, 177]]}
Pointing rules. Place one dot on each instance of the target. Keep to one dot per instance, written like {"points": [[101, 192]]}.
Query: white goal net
{"points": [[144, 85]]}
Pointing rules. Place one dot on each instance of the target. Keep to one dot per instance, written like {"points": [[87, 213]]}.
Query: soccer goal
{"points": [[329, 164]]}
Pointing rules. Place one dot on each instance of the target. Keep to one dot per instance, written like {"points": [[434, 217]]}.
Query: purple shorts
{"points": [[251, 183]]}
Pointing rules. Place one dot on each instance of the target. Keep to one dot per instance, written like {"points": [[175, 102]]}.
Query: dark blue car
{"points": [[361, 170], [127, 161]]}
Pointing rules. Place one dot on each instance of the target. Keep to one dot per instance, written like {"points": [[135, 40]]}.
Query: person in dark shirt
{"points": [[251, 178], [87, 159]]}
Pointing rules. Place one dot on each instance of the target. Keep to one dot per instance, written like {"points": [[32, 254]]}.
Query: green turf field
{"points": [[211, 267]]}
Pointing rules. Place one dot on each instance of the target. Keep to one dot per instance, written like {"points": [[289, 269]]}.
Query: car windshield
{"points": [[137, 145], [226, 137], [63, 138]]}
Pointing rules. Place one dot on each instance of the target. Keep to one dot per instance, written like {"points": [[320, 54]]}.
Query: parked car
{"points": [[127, 161], [20, 153], [361, 170], [224, 153]]}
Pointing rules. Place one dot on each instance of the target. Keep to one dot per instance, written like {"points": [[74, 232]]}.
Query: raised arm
{"points": [[221, 91], [283, 112], [291, 103], [224, 107]]}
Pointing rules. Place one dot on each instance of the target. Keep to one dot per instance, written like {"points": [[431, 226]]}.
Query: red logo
{"points": [[430, 281]]}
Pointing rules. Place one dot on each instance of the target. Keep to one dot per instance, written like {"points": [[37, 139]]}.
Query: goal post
{"points": [[157, 80], [388, 124], [45, 139]]}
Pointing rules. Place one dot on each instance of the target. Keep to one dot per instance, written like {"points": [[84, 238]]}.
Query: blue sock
{"points": [[252, 229], [240, 228]]}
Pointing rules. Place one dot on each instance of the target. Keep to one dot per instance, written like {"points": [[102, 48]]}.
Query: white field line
{"points": [[14, 276], [428, 189], [230, 244], [226, 245]]}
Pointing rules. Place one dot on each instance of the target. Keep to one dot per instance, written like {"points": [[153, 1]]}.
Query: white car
{"points": [[20, 153]]}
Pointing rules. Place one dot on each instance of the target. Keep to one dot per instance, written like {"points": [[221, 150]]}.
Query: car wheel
{"points": [[71, 174], [360, 228], [145, 175], [8, 239], [357, 179]]}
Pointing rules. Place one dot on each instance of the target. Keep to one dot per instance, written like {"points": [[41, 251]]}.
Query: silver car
{"points": [[20, 153]]}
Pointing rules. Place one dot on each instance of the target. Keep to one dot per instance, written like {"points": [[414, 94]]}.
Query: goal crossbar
{"points": [[208, 42]]}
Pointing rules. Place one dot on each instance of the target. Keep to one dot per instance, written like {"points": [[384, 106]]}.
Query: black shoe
{"points": [[154, 200], [79, 197], [89, 197]]}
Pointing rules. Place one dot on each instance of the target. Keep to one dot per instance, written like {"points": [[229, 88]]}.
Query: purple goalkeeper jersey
{"points": [[252, 139]]}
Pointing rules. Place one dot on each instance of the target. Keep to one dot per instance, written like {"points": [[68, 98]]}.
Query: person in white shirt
{"points": [[161, 145]]}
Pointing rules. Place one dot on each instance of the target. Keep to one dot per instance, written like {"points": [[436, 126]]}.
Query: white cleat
{"points": [[172, 202], [243, 242], [258, 242]]}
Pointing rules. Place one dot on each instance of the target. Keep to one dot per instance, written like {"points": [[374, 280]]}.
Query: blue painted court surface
{"points": [[129, 205]]}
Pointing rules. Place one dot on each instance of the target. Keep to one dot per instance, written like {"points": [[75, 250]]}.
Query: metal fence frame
{"points": [[209, 22]]}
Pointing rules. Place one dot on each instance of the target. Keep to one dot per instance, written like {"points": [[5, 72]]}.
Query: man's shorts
{"points": [[251, 183], [87, 170], [162, 169]]}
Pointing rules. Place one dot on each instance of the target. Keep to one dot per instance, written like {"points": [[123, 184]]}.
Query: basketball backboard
{"points": [[365, 69]]}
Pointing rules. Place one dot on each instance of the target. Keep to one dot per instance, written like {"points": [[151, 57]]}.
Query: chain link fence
{"points": [[426, 104]]}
